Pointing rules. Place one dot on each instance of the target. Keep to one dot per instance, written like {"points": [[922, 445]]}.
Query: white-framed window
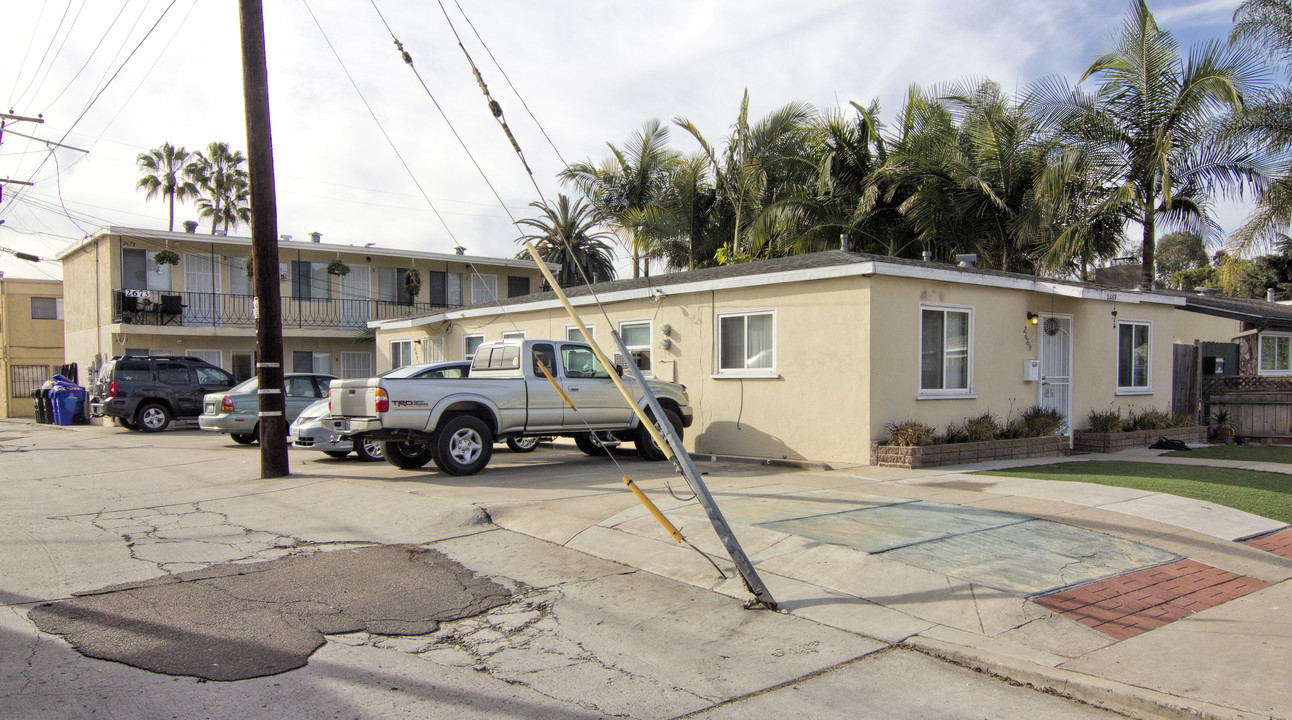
{"points": [[573, 335], [140, 271], [356, 364], [484, 288], [513, 334], [1275, 354], [946, 350], [747, 343], [211, 356], [1133, 344], [239, 281], [46, 308], [401, 353], [469, 345], [308, 361], [636, 335]]}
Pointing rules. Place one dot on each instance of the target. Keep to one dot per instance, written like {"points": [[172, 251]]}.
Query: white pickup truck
{"points": [[454, 422]]}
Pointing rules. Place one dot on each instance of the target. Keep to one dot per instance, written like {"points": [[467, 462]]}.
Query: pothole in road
{"points": [[239, 621]]}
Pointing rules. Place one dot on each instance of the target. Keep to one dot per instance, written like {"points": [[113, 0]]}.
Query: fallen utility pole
{"points": [[669, 443], [266, 305]]}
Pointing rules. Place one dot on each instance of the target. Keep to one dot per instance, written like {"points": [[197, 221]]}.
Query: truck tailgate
{"points": [[352, 398]]}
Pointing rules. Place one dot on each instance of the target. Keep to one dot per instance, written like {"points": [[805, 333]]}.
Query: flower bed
{"points": [[921, 456], [1086, 441]]}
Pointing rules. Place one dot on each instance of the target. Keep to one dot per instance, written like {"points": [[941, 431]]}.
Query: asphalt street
{"points": [[137, 569]]}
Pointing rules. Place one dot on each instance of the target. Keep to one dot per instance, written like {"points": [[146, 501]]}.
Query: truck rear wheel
{"points": [[406, 454], [595, 444], [463, 446], [646, 446]]}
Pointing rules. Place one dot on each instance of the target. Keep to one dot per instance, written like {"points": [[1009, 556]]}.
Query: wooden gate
{"points": [[1184, 379]]}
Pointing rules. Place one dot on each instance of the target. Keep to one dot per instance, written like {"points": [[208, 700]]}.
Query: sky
{"points": [[366, 151]]}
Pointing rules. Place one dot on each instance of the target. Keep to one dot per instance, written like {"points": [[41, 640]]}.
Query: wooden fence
{"points": [[1258, 406]]}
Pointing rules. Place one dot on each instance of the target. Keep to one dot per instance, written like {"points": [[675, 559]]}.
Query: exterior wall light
{"points": [[1033, 318]]}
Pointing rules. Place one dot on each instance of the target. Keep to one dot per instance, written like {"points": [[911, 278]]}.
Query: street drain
{"points": [[239, 621]]}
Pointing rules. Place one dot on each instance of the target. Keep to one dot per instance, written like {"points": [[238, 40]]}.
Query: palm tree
{"points": [[567, 235], [219, 176], [1266, 27], [761, 164], [624, 185], [166, 172], [232, 210], [1154, 118]]}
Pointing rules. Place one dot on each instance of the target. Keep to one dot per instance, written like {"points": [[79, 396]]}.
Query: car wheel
{"points": [[126, 423], [646, 446], [336, 453], [594, 443], [152, 417], [246, 438], [368, 450], [408, 455], [464, 446], [523, 444]]}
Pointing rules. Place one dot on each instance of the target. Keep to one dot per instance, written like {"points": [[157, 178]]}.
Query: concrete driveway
{"points": [[857, 557]]}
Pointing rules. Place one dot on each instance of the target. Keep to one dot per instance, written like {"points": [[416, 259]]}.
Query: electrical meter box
{"points": [[1213, 366], [1031, 370]]}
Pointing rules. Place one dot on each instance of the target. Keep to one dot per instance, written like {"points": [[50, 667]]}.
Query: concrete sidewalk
{"points": [[953, 564]]}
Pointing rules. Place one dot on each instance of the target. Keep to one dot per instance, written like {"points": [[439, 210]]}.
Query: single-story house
{"points": [[810, 357]]}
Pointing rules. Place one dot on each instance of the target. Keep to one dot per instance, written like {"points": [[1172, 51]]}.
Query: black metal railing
{"points": [[204, 309]]}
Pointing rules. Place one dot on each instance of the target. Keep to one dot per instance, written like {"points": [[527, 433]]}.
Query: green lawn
{"points": [[1260, 493], [1248, 453]]}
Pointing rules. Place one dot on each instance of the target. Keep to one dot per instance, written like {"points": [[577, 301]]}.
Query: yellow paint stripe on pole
{"points": [[596, 350], [677, 534], [552, 380]]}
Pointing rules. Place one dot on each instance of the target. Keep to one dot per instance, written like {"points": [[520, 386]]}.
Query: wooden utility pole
{"points": [[264, 242]]}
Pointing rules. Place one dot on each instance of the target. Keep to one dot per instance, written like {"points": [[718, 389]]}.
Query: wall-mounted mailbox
{"points": [[1213, 366], [1031, 370]]}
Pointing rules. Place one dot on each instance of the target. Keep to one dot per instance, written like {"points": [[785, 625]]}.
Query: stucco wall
{"points": [[1190, 326], [24, 340], [1002, 340]]}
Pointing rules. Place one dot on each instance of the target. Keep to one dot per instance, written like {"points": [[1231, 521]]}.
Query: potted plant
{"points": [[166, 257], [338, 267], [413, 283], [1223, 426]]}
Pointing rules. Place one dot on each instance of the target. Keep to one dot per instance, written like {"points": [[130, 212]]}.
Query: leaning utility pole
{"points": [[267, 307]]}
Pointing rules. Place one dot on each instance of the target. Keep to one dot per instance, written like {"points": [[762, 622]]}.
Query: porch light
{"points": [[1033, 318]]}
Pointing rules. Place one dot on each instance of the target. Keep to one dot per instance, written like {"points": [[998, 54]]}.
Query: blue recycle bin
{"points": [[67, 403]]}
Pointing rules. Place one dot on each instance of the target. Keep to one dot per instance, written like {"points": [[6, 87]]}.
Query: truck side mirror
{"points": [[619, 370]]}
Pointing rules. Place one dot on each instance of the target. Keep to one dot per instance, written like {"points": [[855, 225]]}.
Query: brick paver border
{"points": [[1279, 543], [1137, 602]]}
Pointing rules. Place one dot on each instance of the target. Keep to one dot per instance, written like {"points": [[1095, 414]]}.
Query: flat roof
{"points": [[245, 240]]}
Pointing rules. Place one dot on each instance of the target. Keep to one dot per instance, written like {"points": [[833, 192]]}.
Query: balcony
{"points": [[204, 309]]}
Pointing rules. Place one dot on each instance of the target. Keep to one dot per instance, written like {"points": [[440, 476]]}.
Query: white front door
{"points": [[1056, 365]]}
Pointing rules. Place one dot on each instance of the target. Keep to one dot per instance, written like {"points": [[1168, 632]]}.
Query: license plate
{"points": [[210, 408], [341, 424]]}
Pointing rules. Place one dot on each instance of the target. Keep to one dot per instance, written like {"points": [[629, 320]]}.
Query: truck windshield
{"points": [[579, 362]]}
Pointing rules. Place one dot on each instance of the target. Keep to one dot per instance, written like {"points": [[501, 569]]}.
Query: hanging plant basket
{"points": [[338, 267], [166, 257], [413, 283]]}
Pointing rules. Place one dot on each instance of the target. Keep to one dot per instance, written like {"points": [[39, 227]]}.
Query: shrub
{"points": [[909, 433], [1150, 419], [1104, 421], [1181, 419], [1037, 421], [983, 427], [956, 433]]}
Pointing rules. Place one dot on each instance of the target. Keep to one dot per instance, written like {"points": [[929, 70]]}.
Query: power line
{"points": [[107, 31], [52, 38]]}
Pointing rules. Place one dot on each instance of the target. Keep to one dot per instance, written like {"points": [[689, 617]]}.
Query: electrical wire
{"points": [[380, 127], [31, 39], [43, 57], [107, 31], [70, 28]]}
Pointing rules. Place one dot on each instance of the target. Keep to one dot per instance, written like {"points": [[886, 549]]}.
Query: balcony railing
{"points": [[204, 309]]}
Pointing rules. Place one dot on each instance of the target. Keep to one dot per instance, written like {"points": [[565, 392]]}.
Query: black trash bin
{"points": [[44, 412]]}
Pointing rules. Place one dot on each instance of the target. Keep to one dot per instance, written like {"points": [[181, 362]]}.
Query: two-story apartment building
{"points": [[120, 300], [31, 340]]}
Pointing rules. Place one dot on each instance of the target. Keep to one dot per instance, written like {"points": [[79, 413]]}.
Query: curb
{"points": [[1099, 692]]}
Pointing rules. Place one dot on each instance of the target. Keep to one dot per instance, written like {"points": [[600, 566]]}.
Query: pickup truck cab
{"points": [[454, 422]]}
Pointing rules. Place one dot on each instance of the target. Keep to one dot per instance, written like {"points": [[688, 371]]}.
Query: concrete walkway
{"points": [[952, 564]]}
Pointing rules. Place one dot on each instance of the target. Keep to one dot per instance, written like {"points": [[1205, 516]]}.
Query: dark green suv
{"points": [[147, 392]]}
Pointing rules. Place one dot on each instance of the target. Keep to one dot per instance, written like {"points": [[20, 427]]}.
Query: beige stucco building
{"points": [[120, 301], [31, 340], [811, 357]]}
